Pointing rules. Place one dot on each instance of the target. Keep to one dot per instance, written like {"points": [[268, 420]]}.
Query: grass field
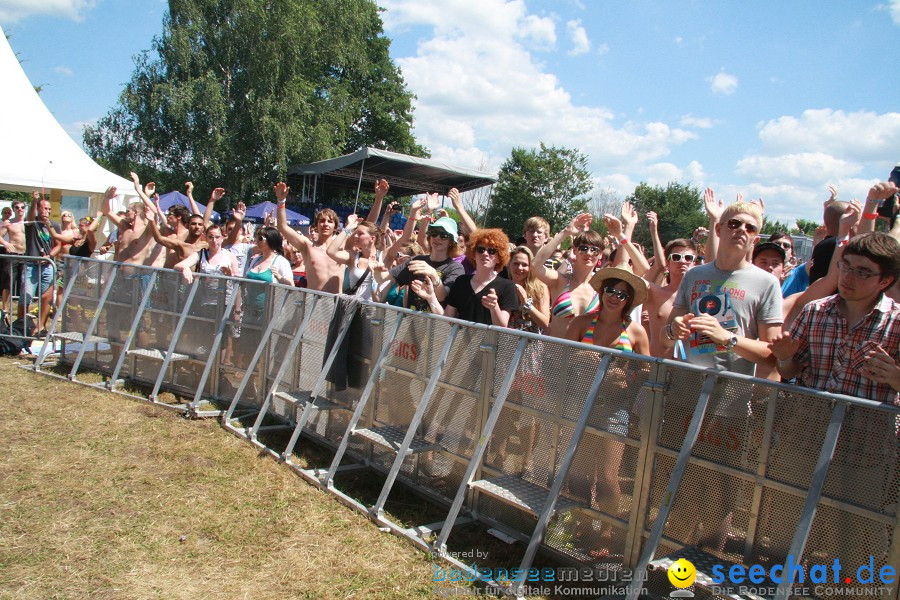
{"points": [[104, 496]]}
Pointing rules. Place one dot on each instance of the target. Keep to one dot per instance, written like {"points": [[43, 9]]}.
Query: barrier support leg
{"points": [[251, 367], [132, 331], [57, 318], [801, 533], [363, 401], [684, 453], [440, 546], [377, 511], [93, 324], [174, 341], [547, 511], [214, 348], [286, 363], [349, 314]]}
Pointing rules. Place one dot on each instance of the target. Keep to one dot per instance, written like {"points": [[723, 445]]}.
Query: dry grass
{"points": [[106, 497]]}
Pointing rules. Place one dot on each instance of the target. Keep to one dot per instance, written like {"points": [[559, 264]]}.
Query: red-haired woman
{"points": [[482, 297]]}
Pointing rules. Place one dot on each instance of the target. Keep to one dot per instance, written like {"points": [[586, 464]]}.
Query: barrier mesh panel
{"points": [[249, 328], [81, 309], [797, 436]]}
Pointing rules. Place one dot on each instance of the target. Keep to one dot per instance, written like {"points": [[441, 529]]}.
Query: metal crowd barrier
{"points": [[597, 457], [13, 271]]}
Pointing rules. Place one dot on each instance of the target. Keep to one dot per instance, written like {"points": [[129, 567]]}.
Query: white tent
{"points": [[35, 151]]}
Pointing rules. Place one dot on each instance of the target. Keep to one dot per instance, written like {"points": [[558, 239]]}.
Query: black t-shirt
{"points": [[38, 241], [468, 304], [448, 270], [821, 257]]}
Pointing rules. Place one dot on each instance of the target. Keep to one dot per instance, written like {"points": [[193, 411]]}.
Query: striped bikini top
{"points": [[623, 343], [562, 307]]}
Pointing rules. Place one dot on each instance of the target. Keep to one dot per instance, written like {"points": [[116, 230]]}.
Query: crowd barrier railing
{"points": [[597, 457], [17, 274]]}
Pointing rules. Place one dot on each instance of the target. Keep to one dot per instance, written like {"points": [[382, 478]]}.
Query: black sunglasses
{"points": [[611, 291], [737, 224], [585, 249], [439, 234], [483, 249]]}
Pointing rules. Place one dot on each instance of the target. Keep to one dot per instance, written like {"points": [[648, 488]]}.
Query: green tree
{"points": [[550, 182], [806, 227], [238, 90], [679, 209]]}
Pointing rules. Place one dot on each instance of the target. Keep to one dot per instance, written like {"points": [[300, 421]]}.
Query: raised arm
{"points": [[214, 197], [32, 210], [297, 239], [638, 260], [336, 248], [189, 192], [629, 219], [391, 252], [168, 242], [381, 190], [237, 217], [878, 193], [714, 209], [145, 193], [580, 223], [106, 206], [466, 220], [659, 253]]}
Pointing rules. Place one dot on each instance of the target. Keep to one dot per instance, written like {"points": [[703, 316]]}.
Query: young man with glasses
{"points": [[849, 343], [680, 255]]}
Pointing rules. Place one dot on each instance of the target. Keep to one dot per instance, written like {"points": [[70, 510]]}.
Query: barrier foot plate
{"points": [[392, 437], [522, 494]]}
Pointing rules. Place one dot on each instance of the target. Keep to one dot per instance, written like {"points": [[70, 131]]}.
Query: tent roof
{"points": [[407, 175], [256, 213], [36, 152], [169, 199]]}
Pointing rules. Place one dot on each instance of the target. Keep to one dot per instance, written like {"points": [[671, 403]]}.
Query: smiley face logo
{"points": [[682, 573]]}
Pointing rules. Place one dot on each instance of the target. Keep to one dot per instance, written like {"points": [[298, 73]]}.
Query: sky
{"points": [[776, 100]]}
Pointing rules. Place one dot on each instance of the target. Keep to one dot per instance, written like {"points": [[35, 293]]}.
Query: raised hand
{"points": [[150, 188], [239, 212], [281, 191], [454, 196], [190, 187], [614, 226], [760, 203], [381, 188], [109, 195], [418, 205], [352, 221], [881, 191], [850, 218], [629, 215], [832, 195], [217, 194], [652, 221], [713, 209], [580, 223], [434, 201]]}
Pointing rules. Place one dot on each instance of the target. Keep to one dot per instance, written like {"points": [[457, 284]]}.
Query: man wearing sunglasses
{"points": [[849, 343], [438, 265], [727, 311], [680, 255]]}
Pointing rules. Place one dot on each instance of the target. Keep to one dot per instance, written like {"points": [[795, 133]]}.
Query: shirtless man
{"points": [[178, 249], [136, 244], [322, 272], [12, 237]]}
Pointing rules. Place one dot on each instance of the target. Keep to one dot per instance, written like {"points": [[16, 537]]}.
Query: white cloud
{"points": [[894, 8], [540, 31], [63, 70], [577, 34], [806, 168], [76, 129], [723, 83], [679, 41], [12, 11], [602, 49], [480, 90], [860, 136], [698, 122]]}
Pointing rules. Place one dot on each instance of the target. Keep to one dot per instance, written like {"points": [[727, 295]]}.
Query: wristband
{"points": [[669, 333], [282, 202], [623, 241], [843, 241], [870, 216]]}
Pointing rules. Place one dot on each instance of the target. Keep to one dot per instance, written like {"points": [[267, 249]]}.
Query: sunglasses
{"points": [[611, 291], [585, 249], [677, 257], [439, 234], [483, 249], [785, 245], [736, 224]]}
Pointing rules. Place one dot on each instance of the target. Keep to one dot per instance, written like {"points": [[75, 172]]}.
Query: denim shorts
{"points": [[37, 274]]}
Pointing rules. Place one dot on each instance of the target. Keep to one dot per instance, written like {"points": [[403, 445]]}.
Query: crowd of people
{"points": [[717, 297]]}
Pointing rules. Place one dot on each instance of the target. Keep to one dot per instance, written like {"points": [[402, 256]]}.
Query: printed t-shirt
{"points": [[448, 270]]}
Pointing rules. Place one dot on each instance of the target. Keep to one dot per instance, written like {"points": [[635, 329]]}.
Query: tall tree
{"points": [[550, 182], [238, 90], [679, 209]]}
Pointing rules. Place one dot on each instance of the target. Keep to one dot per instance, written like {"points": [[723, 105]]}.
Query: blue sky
{"points": [[771, 99]]}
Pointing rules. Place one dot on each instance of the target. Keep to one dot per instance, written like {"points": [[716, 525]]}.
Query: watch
{"points": [[732, 342]]}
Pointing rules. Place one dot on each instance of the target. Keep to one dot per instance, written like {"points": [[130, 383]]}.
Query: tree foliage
{"points": [[679, 209], [550, 182], [238, 90], [807, 227]]}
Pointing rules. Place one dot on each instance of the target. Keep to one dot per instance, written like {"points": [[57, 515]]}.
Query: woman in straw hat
{"points": [[611, 326]]}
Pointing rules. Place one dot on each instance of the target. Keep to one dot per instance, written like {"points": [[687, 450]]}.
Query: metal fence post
{"points": [[93, 324], [132, 330]]}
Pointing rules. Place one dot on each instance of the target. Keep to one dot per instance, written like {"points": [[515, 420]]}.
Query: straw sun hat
{"points": [[637, 284]]}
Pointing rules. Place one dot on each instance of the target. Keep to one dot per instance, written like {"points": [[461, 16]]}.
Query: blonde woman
{"points": [[533, 313]]}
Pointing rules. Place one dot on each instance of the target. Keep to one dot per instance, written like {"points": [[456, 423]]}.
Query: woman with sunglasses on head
{"points": [[533, 313], [571, 292], [354, 246], [482, 297]]}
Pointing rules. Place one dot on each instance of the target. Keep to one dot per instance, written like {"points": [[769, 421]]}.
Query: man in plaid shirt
{"points": [[849, 343]]}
